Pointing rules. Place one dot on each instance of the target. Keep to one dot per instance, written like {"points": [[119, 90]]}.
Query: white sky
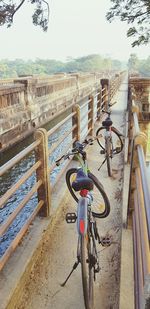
{"points": [[77, 28]]}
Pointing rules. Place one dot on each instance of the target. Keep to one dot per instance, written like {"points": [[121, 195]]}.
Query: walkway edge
{"points": [[18, 270]]}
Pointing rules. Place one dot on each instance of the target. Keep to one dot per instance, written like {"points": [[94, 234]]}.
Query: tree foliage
{"points": [[136, 12], [138, 66], [9, 8], [90, 63]]}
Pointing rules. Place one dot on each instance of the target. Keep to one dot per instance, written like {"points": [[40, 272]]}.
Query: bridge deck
{"points": [[59, 253]]}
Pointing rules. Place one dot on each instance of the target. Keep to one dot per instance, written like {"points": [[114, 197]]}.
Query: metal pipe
{"points": [[86, 103], [143, 225], [19, 236], [54, 146], [50, 132], [144, 185], [26, 199], [15, 187]]}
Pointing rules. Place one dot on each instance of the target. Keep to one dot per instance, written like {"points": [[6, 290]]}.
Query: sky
{"points": [[76, 28]]}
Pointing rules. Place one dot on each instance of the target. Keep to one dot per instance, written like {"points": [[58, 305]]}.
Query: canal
{"points": [[15, 173]]}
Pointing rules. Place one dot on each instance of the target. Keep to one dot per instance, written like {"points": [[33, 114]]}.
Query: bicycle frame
{"points": [[83, 162], [85, 200]]}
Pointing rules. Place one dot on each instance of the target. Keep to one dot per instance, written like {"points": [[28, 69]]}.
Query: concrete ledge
{"points": [[127, 274], [17, 271]]}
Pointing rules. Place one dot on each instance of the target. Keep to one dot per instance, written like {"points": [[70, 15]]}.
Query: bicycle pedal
{"points": [[71, 217], [117, 149], [102, 151], [97, 269], [105, 241]]}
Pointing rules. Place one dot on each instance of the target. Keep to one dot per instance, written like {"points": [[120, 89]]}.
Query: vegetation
{"points": [[136, 12], [139, 66], [91, 63], [40, 16]]}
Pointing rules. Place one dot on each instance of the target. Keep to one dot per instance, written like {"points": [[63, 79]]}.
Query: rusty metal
{"points": [[26, 199], [19, 236], [97, 93], [16, 186]]}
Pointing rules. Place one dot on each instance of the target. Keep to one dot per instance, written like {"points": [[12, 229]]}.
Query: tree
{"points": [[136, 12], [9, 8], [133, 63]]}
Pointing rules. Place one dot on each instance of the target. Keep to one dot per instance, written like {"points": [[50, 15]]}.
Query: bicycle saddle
{"points": [[82, 182], [107, 122]]}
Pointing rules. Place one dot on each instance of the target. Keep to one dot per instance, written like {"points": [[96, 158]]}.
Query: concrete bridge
{"points": [[30, 102], [31, 275]]}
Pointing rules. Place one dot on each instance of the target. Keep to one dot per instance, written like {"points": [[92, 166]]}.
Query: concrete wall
{"points": [[29, 102]]}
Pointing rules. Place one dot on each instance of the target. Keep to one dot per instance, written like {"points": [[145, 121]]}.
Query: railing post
{"points": [[44, 192], [91, 115], [76, 121], [105, 86], [99, 100]]}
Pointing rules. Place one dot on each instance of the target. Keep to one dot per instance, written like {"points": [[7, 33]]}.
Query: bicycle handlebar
{"points": [[77, 149], [106, 112]]}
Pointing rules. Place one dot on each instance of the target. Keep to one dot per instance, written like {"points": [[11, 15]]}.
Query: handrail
{"points": [[41, 168], [139, 197], [18, 157], [144, 185]]}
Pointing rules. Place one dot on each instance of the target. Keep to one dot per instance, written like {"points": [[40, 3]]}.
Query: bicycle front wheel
{"points": [[87, 271], [100, 206], [116, 139]]}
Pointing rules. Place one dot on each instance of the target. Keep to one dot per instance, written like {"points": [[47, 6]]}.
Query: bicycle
{"points": [[110, 140], [81, 182]]}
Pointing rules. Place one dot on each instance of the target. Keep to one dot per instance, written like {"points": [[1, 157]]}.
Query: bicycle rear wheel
{"points": [[100, 206], [87, 271], [116, 138], [108, 154]]}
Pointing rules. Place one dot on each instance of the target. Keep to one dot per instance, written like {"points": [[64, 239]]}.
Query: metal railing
{"points": [[139, 207], [43, 165]]}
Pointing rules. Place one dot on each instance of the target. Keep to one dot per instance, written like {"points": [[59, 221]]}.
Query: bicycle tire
{"points": [[101, 141], [87, 271], [108, 156], [99, 189]]}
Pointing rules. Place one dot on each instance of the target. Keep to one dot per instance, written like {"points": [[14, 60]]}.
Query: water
{"points": [[13, 175]]}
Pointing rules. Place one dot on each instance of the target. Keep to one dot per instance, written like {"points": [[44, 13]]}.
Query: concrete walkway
{"points": [[58, 253]]}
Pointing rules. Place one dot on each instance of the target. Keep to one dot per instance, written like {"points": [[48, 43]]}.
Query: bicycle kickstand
{"points": [[102, 164], [73, 268]]}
